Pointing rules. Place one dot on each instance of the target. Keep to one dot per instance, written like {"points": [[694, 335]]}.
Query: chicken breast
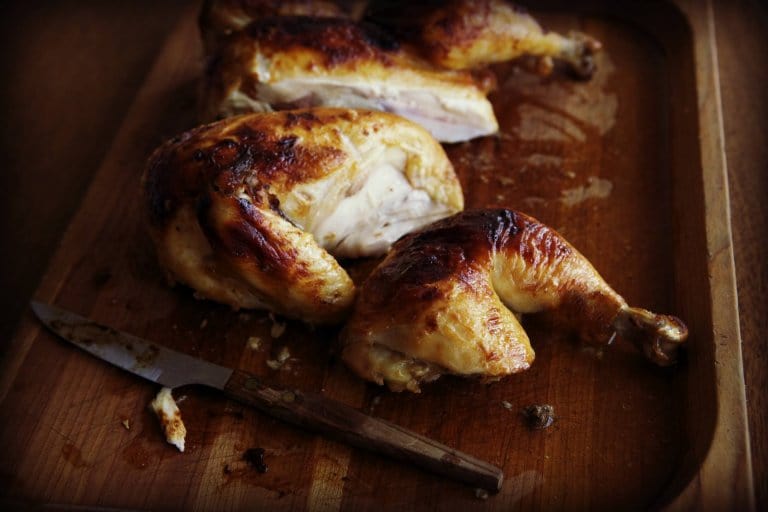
{"points": [[253, 211], [447, 299], [290, 62]]}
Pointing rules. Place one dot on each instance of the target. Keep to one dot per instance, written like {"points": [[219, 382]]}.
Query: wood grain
{"points": [[71, 447], [743, 65]]}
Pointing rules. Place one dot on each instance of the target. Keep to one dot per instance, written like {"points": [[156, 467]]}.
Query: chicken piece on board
{"points": [[295, 62], [464, 34], [446, 300], [254, 210]]}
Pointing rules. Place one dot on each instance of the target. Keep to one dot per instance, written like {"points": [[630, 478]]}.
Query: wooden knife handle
{"points": [[315, 412]]}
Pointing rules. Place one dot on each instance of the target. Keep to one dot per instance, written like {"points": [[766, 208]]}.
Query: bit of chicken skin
{"points": [[446, 300], [252, 211]]}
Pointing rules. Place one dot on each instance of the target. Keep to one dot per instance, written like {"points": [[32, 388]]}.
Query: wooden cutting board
{"points": [[627, 166]]}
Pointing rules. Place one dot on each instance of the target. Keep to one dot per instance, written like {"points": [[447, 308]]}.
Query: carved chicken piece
{"points": [[253, 211], [291, 62], [446, 300], [463, 34]]}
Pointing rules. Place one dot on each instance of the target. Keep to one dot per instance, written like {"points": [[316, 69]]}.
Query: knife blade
{"points": [[312, 411]]}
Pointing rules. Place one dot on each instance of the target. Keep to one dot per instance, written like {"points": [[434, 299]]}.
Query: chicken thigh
{"points": [[464, 34], [254, 210], [446, 300]]}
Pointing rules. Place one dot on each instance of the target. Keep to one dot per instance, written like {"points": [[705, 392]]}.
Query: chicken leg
{"points": [[465, 34], [447, 299]]}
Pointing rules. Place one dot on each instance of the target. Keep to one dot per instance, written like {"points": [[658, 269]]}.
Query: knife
{"points": [[308, 410]]}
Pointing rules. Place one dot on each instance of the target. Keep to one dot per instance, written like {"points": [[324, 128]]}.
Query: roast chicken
{"points": [[253, 211], [410, 59], [447, 300], [295, 62], [453, 34]]}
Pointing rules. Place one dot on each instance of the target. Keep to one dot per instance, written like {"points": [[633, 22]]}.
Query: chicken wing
{"points": [[447, 299], [290, 62], [464, 34], [252, 211]]}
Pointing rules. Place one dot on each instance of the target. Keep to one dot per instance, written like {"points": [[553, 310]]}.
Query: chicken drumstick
{"points": [[446, 300]]}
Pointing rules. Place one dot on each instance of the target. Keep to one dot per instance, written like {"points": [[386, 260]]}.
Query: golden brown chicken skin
{"points": [[446, 300], [253, 211]]}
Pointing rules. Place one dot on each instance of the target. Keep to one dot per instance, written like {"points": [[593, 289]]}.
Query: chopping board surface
{"points": [[588, 158]]}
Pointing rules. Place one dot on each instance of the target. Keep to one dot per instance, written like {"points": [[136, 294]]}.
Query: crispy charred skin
{"points": [[212, 197], [246, 157], [336, 41], [445, 296], [219, 18]]}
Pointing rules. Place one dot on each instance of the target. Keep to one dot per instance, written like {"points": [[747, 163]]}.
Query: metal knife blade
{"points": [[149, 360], [308, 410]]}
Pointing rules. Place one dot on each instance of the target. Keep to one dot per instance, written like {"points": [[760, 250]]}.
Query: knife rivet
{"points": [[252, 384], [289, 396]]}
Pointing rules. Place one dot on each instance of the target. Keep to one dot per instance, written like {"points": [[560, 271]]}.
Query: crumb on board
{"points": [[170, 418], [255, 458], [539, 417], [282, 356], [278, 328], [126, 423], [507, 405], [254, 342], [375, 401]]}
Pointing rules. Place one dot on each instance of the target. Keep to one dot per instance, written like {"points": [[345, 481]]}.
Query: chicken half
{"points": [[452, 34], [464, 34], [294, 62], [253, 211], [446, 300]]}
